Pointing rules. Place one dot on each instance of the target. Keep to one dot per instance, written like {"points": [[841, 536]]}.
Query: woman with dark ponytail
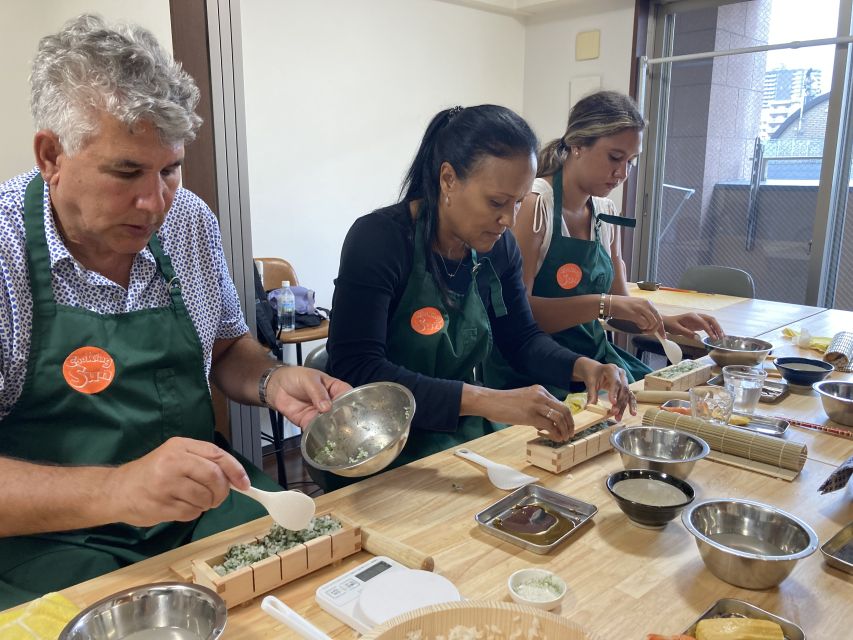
{"points": [[567, 233], [429, 286]]}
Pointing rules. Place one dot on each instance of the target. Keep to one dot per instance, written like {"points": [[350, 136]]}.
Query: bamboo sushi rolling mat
{"points": [[736, 447]]}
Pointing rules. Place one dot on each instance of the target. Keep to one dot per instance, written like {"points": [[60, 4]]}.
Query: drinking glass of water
{"points": [[745, 384]]}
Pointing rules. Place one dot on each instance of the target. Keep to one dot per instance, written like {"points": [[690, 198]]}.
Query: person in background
{"points": [[567, 232], [115, 306], [429, 286]]}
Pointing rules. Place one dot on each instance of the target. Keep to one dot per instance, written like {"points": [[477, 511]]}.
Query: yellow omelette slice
{"points": [[41, 619], [575, 402]]}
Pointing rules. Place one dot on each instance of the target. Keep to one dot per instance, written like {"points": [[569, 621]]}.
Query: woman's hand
{"points": [[532, 406], [606, 377], [687, 324], [639, 311]]}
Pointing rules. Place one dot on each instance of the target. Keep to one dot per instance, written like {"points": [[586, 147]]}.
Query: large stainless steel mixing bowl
{"points": [[667, 450], [165, 610], [837, 399], [748, 544], [363, 432], [737, 350]]}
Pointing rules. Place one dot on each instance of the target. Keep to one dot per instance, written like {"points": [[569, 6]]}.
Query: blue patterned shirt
{"points": [[189, 236]]}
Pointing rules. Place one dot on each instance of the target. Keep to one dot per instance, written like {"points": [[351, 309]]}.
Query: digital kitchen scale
{"points": [[380, 589]]}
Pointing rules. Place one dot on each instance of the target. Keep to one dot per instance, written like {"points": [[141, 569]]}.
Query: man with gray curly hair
{"points": [[116, 306]]}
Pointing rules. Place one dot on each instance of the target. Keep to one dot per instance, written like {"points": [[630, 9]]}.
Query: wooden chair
{"points": [[275, 271], [712, 278]]}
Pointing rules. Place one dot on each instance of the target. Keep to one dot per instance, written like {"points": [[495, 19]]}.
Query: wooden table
{"points": [[803, 403], [765, 319], [826, 324], [623, 581], [737, 316]]}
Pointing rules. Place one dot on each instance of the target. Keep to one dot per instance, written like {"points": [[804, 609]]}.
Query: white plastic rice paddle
{"points": [[275, 608], [291, 509], [671, 349], [502, 476]]}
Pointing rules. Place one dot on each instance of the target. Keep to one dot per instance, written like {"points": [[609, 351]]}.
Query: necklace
{"points": [[446, 270]]}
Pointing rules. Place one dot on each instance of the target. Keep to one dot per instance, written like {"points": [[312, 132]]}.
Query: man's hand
{"points": [[300, 393], [179, 480]]}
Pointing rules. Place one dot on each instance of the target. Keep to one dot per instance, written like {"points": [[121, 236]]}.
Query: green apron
{"points": [[439, 341], [155, 389], [573, 267]]}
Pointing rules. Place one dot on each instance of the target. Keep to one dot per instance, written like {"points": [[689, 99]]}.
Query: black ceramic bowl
{"points": [[803, 371], [645, 515]]}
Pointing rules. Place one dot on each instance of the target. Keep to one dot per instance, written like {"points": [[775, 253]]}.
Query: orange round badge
{"points": [[427, 321], [569, 275], [89, 370]]}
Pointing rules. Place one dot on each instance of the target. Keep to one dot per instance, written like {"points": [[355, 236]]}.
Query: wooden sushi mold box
{"points": [[270, 573], [698, 374], [560, 458]]}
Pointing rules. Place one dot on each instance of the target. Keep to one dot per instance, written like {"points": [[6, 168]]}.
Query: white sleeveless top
{"points": [[543, 216]]}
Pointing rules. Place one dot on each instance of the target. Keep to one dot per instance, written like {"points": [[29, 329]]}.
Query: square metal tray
{"points": [[838, 550], [730, 608], [772, 392], [573, 510], [764, 425]]}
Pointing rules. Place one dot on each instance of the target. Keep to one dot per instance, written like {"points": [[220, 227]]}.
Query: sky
{"points": [[787, 24]]}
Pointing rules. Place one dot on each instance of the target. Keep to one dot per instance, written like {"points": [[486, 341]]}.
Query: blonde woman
{"points": [[567, 231]]}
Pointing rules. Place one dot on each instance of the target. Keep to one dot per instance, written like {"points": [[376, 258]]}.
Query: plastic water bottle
{"points": [[286, 308]]}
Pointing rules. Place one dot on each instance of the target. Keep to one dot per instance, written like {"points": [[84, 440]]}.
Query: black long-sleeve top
{"points": [[376, 261]]}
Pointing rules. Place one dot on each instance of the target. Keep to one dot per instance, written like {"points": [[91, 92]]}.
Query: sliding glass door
{"points": [[746, 139]]}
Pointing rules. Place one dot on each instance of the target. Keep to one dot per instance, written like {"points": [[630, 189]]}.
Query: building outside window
{"points": [[743, 150]]}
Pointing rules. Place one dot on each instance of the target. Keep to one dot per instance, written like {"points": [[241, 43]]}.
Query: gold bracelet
{"points": [[264, 381], [601, 306]]}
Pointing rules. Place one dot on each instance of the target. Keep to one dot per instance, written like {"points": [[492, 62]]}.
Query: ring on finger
{"points": [[549, 414]]}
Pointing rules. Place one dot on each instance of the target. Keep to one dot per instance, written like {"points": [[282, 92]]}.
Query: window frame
{"points": [[653, 87]]}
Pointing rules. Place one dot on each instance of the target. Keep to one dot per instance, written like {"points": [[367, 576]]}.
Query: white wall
{"points": [[550, 65], [338, 95], [22, 25]]}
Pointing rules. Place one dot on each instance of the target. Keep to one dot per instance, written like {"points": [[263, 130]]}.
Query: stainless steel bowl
{"points": [[668, 450], [177, 610], [737, 350], [837, 399], [363, 432], [748, 544]]}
